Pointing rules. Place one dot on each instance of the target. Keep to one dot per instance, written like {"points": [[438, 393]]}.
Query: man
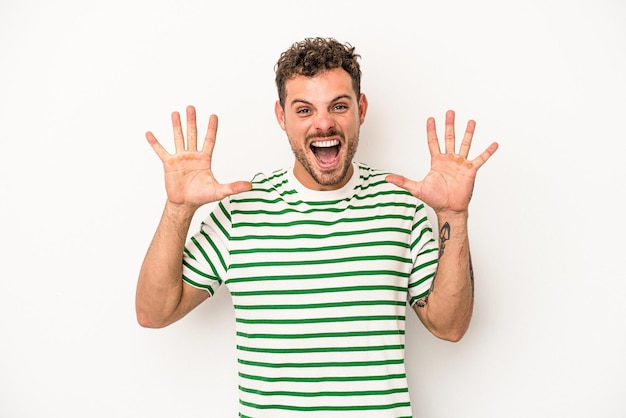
{"points": [[320, 258]]}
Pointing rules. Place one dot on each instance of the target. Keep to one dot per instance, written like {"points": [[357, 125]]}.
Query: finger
{"points": [[431, 135], [467, 139], [236, 187], [179, 139], [211, 134], [449, 132], [192, 129], [404, 183], [485, 155], [156, 146], [228, 189]]}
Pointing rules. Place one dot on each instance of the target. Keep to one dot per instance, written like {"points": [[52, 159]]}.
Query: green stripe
{"points": [[319, 222], [324, 378], [322, 364], [321, 349], [326, 408], [188, 253], [429, 250], [208, 261], [322, 334], [323, 320], [399, 192], [224, 211], [323, 305], [313, 249], [318, 291], [325, 261], [328, 393], [206, 256], [424, 265], [215, 250], [419, 222], [324, 210], [200, 273], [323, 236], [421, 235], [319, 276], [218, 224], [267, 182], [201, 249], [196, 284], [419, 282], [418, 297]]}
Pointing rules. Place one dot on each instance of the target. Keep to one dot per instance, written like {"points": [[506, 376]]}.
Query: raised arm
{"points": [[162, 297], [447, 189]]}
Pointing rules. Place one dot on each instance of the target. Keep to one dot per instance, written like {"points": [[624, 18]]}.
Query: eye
{"points": [[303, 111], [340, 107]]}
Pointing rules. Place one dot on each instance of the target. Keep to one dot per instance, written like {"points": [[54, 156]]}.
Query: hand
{"points": [[189, 180], [449, 184]]}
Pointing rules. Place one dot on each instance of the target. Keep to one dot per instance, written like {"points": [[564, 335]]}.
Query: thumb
{"points": [[409, 185], [238, 187]]}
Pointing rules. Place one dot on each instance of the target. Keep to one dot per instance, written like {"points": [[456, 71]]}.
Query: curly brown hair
{"points": [[313, 56]]}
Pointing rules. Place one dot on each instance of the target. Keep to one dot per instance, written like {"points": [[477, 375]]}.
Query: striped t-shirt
{"points": [[320, 283]]}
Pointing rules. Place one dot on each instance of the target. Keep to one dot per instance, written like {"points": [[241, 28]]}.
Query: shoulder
{"points": [[264, 184], [373, 178], [374, 184], [273, 178]]}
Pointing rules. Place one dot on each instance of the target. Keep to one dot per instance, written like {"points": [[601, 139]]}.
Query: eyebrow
{"points": [[306, 102]]}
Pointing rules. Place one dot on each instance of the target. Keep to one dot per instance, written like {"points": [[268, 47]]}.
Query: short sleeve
{"points": [[424, 251], [206, 253]]}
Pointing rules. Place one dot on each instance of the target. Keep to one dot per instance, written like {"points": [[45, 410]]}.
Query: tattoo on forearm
{"points": [[444, 235]]}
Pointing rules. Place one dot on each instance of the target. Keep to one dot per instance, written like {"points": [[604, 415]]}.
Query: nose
{"points": [[323, 121]]}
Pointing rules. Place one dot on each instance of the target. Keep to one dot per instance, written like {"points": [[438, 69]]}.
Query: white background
{"points": [[81, 191]]}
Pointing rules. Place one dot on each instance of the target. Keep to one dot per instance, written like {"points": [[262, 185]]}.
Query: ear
{"points": [[362, 107], [280, 114]]}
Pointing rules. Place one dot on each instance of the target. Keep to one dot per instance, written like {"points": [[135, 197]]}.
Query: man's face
{"points": [[322, 118]]}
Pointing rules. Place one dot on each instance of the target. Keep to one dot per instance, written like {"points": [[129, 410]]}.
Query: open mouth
{"points": [[326, 152]]}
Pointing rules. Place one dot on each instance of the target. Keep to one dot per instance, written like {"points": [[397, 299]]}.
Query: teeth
{"points": [[325, 144]]}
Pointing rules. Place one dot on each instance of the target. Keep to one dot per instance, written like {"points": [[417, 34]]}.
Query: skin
{"points": [[320, 108], [447, 189], [162, 297]]}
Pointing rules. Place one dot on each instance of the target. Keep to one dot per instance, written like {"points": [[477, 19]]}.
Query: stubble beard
{"points": [[327, 178]]}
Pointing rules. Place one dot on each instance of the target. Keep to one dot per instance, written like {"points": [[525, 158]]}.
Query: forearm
{"points": [[448, 309], [160, 286]]}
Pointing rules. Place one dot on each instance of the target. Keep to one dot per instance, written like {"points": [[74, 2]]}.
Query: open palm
{"points": [[189, 179], [449, 183]]}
